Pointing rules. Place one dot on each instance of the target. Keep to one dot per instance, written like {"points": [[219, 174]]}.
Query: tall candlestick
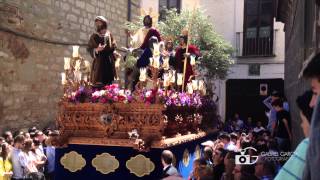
{"points": [[78, 65], [156, 62], [195, 85], [179, 79], [87, 64], [192, 60], [201, 85], [156, 49], [151, 61], [166, 79], [77, 75], [63, 78], [189, 88], [66, 63], [172, 76], [143, 74], [117, 63], [165, 64], [75, 52]]}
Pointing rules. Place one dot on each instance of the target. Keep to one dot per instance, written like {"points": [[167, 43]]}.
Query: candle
{"points": [[195, 84], [192, 60], [143, 74], [201, 85], [77, 75], [151, 61], [77, 66], [156, 49], [189, 88], [85, 78], [179, 79], [204, 91], [165, 64], [156, 62], [166, 79], [87, 64], [63, 78], [117, 63], [75, 52], [172, 76], [66, 63]]}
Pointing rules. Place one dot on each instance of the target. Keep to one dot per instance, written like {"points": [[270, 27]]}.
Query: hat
{"points": [[208, 143], [101, 18]]}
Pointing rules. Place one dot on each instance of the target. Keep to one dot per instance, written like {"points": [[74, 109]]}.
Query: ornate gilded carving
{"points": [[140, 165], [73, 161], [186, 157], [197, 152], [105, 163]]}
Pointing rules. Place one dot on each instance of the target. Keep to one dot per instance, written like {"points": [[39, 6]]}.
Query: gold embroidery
{"points": [[73, 161], [140, 165], [105, 163]]}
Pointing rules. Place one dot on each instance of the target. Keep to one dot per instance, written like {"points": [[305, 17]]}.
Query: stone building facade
{"points": [[35, 35]]}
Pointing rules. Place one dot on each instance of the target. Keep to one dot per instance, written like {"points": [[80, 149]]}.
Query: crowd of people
{"points": [[267, 152], [27, 154]]}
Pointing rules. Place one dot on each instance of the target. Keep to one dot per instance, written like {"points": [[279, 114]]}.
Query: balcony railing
{"points": [[256, 47]]}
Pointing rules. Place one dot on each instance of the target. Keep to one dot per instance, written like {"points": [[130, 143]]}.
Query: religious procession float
{"points": [[115, 129]]}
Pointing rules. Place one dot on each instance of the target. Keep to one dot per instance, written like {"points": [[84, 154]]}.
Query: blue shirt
{"points": [[50, 152]]}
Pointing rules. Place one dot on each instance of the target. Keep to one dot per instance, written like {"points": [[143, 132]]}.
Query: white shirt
{"points": [[258, 129], [17, 166], [231, 147]]}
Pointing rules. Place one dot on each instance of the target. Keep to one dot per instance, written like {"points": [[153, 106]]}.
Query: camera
{"points": [[242, 159]]}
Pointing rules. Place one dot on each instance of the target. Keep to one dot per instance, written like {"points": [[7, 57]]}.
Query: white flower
{"points": [[121, 92], [102, 92], [96, 94], [148, 93]]}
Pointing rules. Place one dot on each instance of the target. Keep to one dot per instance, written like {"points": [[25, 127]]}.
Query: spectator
{"points": [[282, 130], [15, 158], [258, 127], [168, 168], [8, 137], [208, 156], [218, 161], [197, 163], [50, 153], [229, 164], [249, 125], [264, 169], [39, 155], [41, 137], [228, 144], [28, 161], [239, 122], [294, 166], [312, 72], [272, 115], [5, 164]]}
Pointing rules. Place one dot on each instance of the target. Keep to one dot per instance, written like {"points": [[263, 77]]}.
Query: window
{"points": [[168, 4], [258, 28]]}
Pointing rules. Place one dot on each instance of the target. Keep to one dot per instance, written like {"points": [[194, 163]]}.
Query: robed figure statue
{"points": [[101, 47]]}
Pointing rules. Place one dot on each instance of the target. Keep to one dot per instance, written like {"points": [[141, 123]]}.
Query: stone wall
{"points": [[297, 51], [35, 35]]}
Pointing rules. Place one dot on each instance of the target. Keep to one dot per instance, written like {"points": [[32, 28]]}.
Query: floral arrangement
{"points": [[113, 93]]}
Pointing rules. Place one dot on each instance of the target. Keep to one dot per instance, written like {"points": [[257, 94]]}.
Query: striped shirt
{"points": [[293, 168]]}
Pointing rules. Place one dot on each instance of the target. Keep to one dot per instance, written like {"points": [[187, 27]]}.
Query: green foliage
{"points": [[215, 50]]}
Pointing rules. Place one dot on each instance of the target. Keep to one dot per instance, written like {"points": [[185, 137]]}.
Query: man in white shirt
{"points": [[228, 144], [15, 157]]}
